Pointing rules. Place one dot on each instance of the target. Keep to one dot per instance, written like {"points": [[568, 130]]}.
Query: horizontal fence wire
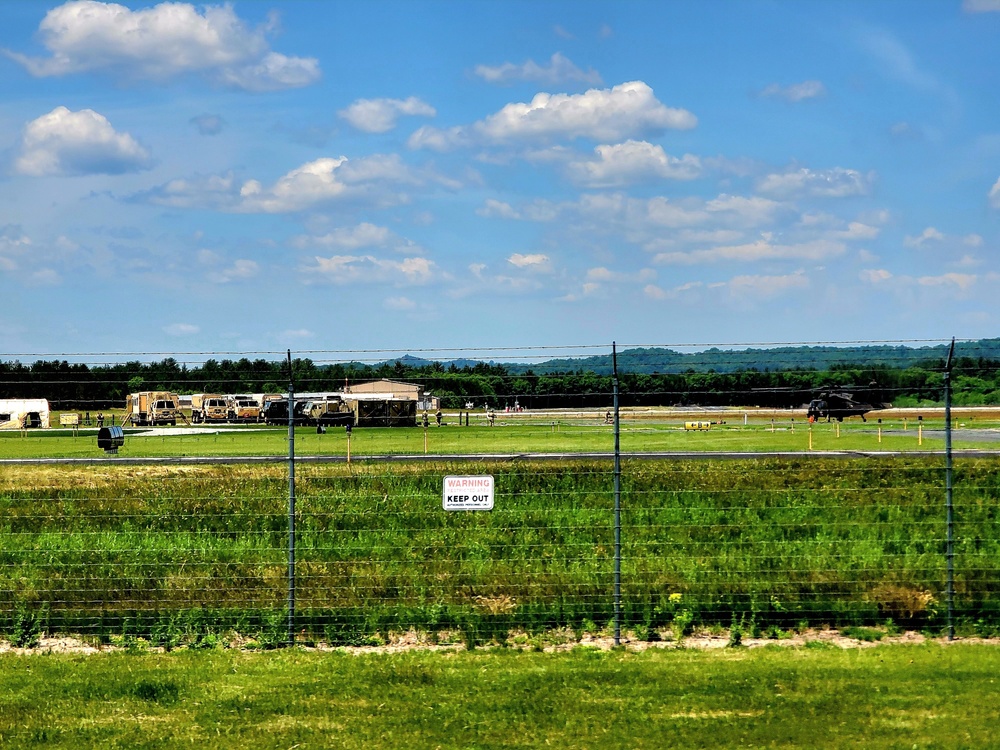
{"points": [[205, 550], [182, 553]]}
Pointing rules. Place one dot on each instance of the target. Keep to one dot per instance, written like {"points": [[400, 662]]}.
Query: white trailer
{"points": [[21, 413]]}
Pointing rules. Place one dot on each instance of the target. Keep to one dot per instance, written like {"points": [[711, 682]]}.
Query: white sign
{"points": [[468, 493]]}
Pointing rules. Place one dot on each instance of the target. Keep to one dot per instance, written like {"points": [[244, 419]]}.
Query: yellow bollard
{"points": [[880, 435], [810, 438], [838, 429], [348, 447], [904, 424], [920, 434]]}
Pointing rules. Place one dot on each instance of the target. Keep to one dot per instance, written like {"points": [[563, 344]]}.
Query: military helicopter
{"points": [[838, 402]]}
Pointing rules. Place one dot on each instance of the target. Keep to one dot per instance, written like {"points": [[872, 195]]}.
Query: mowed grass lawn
{"points": [[884, 697], [504, 439]]}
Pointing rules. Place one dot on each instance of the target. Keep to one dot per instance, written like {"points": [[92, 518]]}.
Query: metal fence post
{"points": [[291, 503], [949, 510], [618, 503]]}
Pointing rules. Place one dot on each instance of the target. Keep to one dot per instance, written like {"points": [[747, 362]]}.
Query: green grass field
{"points": [[884, 697], [193, 558], [513, 438], [179, 553]]}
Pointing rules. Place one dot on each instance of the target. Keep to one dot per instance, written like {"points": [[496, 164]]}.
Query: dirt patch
{"points": [[62, 645], [554, 642]]}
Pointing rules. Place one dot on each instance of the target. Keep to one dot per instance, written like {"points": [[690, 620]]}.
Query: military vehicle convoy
{"points": [[366, 405]]}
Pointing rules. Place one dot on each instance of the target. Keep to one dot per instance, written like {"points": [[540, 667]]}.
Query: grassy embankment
{"points": [[505, 439], [884, 697], [178, 554]]}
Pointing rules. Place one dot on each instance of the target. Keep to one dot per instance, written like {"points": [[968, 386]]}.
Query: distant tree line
{"points": [[80, 386]]}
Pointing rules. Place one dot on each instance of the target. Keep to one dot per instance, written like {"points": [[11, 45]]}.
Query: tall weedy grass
{"points": [[181, 553]]}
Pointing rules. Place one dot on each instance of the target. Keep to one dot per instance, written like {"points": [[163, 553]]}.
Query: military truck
{"points": [[209, 407], [386, 412], [276, 412], [244, 409], [330, 412], [152, 408]]}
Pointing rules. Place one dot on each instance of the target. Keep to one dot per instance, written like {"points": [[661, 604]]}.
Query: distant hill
{"points": [[667, 361], [409, 360]]}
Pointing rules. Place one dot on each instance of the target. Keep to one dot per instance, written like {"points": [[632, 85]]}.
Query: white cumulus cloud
{"points": [[399, 303], [380, 115], [829, 183], [766, 286], [494, 209], [368, 269], [632, 161], [75, 143], [304, 186], [532, 260], [615, 114], [761, 250], [559, 70], [995, 194], [328, 179], [240, 270], [608, 114], [202, 191], [354, 238], [654, 292], [162, 42], [930, 234], [856, 230], [874, 275], [962, 280], [374, 180]]}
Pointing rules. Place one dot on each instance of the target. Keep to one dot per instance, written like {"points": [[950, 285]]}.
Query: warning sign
{"points": [[468, 493]]}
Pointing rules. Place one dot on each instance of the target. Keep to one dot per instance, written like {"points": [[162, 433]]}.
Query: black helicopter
{"points": [[838, 402]]}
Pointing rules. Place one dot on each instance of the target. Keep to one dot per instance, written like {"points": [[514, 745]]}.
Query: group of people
{"points": [[437, 418]]}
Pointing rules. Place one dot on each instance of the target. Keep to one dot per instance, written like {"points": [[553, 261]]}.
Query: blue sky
{"points": [[258, 176]]}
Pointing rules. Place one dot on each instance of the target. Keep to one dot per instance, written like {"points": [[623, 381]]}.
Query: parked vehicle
{"points": [[276, 412], [243, 409], [152, 408], [386, 412], [328, 412], [209, 407], [21, 413]]}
